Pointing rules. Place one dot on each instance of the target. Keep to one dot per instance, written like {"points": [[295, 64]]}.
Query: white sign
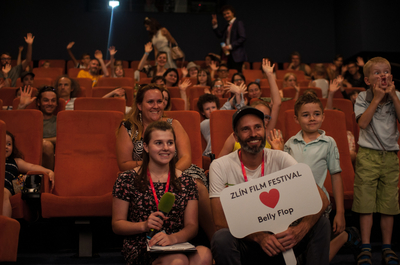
{"points": [[271, 203]]}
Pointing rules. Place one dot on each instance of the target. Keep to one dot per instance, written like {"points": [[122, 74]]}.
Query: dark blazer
{"points": [[238, 38]]}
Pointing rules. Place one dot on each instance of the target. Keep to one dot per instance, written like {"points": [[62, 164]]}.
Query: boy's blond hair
{"points": [[373, 61]]}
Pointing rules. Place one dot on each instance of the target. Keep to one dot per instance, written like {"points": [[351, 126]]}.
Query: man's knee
{"points": [[48, 147], [222, 239]]}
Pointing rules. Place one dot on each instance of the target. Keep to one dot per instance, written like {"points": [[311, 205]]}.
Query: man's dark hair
{"points": [[337, 56], [353, 92], [156, 78], [228, 7], [239, 74], [223, 65], [85, 54], [205, 99], [45, 89], [6, 53], [306, 99]]}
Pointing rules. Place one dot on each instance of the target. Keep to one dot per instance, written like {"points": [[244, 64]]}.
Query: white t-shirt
{"points": [[227, 171]]}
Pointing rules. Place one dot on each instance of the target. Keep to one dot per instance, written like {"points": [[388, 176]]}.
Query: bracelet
{"points": [[146, 53]]}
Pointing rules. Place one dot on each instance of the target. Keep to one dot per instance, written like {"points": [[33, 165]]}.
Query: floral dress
{"points": [[141, 205]]}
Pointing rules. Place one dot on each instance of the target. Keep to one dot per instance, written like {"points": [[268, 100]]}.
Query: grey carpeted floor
{"points": [[55, 241]]}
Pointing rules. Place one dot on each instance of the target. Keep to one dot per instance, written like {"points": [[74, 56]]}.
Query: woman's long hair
{"points": [[133, 115], [15, 152], [154, 26], [141, 181], [208, 76]]}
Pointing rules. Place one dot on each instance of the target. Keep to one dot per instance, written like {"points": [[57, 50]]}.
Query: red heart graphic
{"points": [[270, 198]]}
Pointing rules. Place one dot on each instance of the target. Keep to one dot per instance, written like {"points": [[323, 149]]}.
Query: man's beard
{"points": [[255, 149]]}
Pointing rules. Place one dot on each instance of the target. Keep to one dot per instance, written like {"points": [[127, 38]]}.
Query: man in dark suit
{"points": [[234, 36]]}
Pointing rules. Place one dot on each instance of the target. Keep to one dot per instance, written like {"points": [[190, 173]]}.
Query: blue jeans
{"points": [[314, 248]]}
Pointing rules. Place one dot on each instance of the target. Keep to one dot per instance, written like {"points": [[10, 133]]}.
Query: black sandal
{"points": [[389, 255], [364, 260]]}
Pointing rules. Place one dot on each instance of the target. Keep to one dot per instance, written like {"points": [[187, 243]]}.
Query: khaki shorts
{"points": [[375, 182]]}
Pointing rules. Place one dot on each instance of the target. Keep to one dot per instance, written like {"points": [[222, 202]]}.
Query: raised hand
{"points": [[184, 71], [148, 47], [213, 66], [6, 69], [29, 38], [276, 140], [25, 98], [112, 50], [360, 61], [344, 69], [266, 66], [334, 85], [297, 88], [69, 46], [340, 79], [184, 84], [20, 48], [214, 20], [98, 54]]}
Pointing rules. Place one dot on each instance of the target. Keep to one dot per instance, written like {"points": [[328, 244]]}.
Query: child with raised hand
{"points": [[376, 179], [136, 195], [313, 147], [116, 70], [15, 164], [85, 60]]}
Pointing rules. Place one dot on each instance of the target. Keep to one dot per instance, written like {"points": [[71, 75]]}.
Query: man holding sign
{"points": [[311, 234]]}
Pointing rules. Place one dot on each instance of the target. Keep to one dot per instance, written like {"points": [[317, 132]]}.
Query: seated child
{"points": [[15, 164], [207, 103], [319, 151], [320, 79]]}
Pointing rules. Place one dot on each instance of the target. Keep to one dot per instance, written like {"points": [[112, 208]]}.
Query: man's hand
{"points": [[148, 47], [291, 237], [6, 69], [225, 49], [360, 61], [69, 46], [267, 68], [344, 69], [270, 244], [25, 98], [98, 55], [29, 38], [112, 51], [20, 48], [213, 66], [214, 20]]}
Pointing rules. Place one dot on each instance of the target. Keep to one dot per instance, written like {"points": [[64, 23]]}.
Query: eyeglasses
{"points": [[218, 86], [267, 117], [6, 59], [223, 70]]}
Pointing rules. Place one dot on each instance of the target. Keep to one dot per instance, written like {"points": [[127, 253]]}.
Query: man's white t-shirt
{"points": [[227, 171]]}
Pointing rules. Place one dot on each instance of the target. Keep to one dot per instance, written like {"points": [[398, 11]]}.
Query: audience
{"points": [[93, 69], [146, 120], [137, 193], [85, 59], [161, 60], [8, 74], [295, 64], [15, 164], [147, 108]]}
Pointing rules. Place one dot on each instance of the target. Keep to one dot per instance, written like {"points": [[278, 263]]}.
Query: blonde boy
{"points": [[377, 165]]}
